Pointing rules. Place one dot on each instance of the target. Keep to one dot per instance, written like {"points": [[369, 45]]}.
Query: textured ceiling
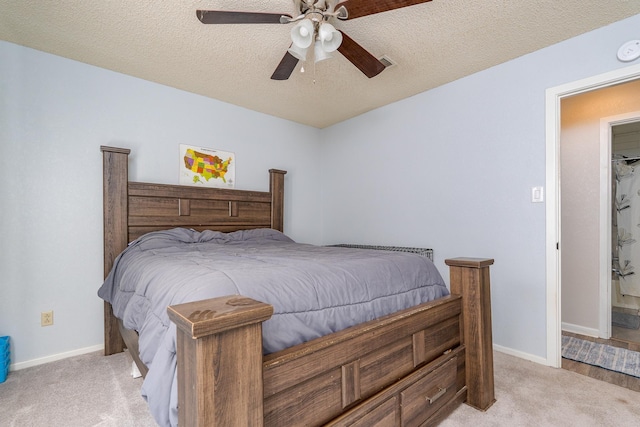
{"points": [[432, 43]]}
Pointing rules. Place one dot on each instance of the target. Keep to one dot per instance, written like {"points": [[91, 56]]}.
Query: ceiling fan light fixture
{"points": [[312, 25], [302, 34], [297, 52], [329, 37], [320, 52]]}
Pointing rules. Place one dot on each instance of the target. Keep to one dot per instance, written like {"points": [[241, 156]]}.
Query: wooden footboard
{"points": [[405, 369]]}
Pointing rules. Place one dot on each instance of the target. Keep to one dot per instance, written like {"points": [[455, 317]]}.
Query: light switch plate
{"points": [[537, 194]]}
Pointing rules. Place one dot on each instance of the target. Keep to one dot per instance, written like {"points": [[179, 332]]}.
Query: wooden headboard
{"points": [[132, 209]]}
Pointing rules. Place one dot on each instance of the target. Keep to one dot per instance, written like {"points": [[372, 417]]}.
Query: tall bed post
{"points": [[219, 353], [470, 279], [276, 188], [115, 175]]}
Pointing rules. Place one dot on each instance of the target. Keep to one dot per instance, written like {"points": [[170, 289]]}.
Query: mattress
{"points": [[315, 291]]}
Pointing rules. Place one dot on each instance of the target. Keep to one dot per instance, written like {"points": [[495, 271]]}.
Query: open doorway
{"points": [[585, 168], [556, 246], [586, 200], [623, 134]]}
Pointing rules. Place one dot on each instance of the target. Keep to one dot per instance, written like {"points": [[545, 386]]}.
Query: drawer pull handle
{"points": [[441, 392]]}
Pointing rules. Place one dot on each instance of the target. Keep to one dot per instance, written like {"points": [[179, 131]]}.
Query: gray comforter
{"points": [[314, 291]]}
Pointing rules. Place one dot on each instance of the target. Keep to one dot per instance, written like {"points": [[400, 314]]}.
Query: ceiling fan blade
{"points": [[358, 8], [285, 67], [224, 17], [366, 62]]}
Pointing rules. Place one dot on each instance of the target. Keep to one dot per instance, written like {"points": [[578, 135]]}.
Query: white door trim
{"points": [[553, 97], [605, 229], [606, 124]]}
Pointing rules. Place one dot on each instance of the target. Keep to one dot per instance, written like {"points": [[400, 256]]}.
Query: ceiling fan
{"points": [[313, 28]]}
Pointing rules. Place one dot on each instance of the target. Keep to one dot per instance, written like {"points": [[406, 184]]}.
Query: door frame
{"points": [[553, 244], [606, 152]]}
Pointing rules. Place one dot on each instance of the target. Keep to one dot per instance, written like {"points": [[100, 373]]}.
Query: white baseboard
{"points": [[521, 355], [576, 329], [54, 357]]}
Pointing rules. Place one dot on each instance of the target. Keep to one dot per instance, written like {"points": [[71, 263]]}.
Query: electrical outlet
{"points": [[46, 318]]}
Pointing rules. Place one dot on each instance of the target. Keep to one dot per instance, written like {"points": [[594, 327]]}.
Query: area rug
{"points": [[602, 355], [625, 320]]}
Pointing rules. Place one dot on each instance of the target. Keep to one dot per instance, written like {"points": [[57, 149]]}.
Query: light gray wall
{"points": [[452, 169], [54, 115]]}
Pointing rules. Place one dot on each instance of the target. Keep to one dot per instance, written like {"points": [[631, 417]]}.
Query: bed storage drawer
{"points": [[415, 400], [384, 415], [422, 399]]}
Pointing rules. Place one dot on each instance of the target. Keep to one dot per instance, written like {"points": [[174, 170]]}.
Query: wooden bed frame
{"points": [[407, 369]]}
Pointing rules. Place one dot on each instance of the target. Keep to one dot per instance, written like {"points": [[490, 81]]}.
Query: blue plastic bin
{"points": [[5, 358]]}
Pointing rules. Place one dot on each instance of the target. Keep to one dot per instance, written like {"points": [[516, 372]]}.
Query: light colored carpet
{"points": [[529, 394], [81, 391], [93, 390]]}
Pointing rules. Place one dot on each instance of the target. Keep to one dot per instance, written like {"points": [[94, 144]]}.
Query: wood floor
{"points": [[624, 338]]}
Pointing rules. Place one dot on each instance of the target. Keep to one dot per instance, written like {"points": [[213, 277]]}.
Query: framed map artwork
{"points": [[207, 167]]}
